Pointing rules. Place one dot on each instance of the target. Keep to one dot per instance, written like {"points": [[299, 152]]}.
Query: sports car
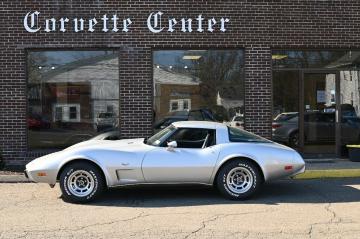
{"points": [[188, 152]]}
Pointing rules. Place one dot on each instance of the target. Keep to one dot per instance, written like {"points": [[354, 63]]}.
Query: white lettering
{"points": [[126, 23], [115, 19], [211, 23], [172, 23], [104, 19], [156, 28], [53, 25], [200, 19], [183, 25], [76, 24], [92, 23], [33, 19], [223, 21], [62, 24], [112, 23]]}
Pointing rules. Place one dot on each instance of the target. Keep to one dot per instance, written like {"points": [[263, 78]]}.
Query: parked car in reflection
{"points": [[35, 121], [237, 121], [184, 115], [110, 135], [319, 127], [105, 121]]}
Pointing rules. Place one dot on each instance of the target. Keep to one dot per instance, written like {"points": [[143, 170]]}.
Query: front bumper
{"points": [[41, 176]]}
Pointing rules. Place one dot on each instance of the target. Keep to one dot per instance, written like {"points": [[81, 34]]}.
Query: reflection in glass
{"points": [[72, 96], [319, 113], [335, 59], [350, 108], [285, 126], [198, 85]]}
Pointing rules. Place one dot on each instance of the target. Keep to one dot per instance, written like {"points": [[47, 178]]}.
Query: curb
{"points": [[329, 173], [14, 179]]}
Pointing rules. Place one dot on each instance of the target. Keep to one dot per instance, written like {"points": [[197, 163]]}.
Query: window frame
{"points": [[164, 143]]}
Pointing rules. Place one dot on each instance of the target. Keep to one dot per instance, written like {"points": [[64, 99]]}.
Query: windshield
{"points": [[239, 135], [159, 137]]}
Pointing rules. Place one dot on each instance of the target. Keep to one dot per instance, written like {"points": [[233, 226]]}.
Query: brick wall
{"points": [[257, 26]]}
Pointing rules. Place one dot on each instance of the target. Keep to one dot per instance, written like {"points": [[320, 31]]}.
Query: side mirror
{"points": [[171, 145]]}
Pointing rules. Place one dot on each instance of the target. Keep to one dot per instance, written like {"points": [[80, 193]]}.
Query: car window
{"points": [[285, 117], [239, 135], [207, 115], [192, 138], [160, 137]]}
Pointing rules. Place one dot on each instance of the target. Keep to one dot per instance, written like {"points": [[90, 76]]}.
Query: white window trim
{"points": [[66, 112], [180, 103]]}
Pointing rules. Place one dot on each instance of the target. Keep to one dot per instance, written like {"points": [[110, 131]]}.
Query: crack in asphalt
{"points": [[71, 230], [216, 217], [334, 218]]}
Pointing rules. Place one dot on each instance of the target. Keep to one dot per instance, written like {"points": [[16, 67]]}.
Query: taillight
{"points": [[276, 125]]}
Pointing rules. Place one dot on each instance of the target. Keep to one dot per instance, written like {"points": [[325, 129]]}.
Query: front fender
{"points": [[50, 165], [87, 158]]}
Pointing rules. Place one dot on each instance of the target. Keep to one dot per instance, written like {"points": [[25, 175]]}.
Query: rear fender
{"points": [[222, 161]]}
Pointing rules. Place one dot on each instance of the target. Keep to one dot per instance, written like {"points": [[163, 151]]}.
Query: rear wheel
{"points": [[81, 182], [239, 179], [294, 139]]}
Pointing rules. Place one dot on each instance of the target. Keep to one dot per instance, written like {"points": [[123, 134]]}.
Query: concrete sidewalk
{"points": [[315, 168]]}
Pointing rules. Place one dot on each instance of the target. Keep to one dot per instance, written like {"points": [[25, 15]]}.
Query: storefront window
{"points": [[72, 96], [198, 85], [285, 125], [327, 76]]}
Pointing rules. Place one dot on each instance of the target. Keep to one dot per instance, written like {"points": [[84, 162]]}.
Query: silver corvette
{"points": [[233, 160]]}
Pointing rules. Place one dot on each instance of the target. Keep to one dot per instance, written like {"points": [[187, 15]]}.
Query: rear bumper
{"points": [[299, 171]]}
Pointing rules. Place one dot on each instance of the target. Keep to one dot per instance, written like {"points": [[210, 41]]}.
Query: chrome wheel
{"points": [[81, 183], [239, 180]]}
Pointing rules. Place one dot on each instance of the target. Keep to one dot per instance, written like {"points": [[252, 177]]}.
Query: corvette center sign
{"points": [[156, 22]]}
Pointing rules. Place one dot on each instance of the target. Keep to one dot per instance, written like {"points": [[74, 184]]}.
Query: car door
{"points": [[193, 160]]}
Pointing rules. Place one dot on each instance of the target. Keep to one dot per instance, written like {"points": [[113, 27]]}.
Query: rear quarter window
{"points": [[239, 135]]}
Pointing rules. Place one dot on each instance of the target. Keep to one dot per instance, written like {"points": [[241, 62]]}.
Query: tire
{"points": [[238, 170], [81, 182], [294, 139]]}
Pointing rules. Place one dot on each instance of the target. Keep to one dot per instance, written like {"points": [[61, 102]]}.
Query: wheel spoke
{"points": [[81, 183], [239, 180]]}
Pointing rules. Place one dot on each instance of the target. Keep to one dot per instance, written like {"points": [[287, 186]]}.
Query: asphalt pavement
{"points": [[321, 208]]}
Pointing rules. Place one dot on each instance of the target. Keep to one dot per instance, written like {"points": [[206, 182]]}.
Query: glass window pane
{"points": [[285, 126], [72, 96], [198, 85], [350, 108], [328, 59]]}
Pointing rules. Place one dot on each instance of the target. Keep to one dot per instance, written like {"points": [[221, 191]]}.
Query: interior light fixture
{"points": [[40, 67], [278, 57], [190, 57], [170, 67], [157, 66], [53, 67], [185, 67]]}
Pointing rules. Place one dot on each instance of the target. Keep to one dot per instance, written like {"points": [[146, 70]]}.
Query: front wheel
{"points": [[239, 179], [81, 182]]}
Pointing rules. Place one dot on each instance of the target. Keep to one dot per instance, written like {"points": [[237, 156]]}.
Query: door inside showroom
{"points": [[319, 115]]}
